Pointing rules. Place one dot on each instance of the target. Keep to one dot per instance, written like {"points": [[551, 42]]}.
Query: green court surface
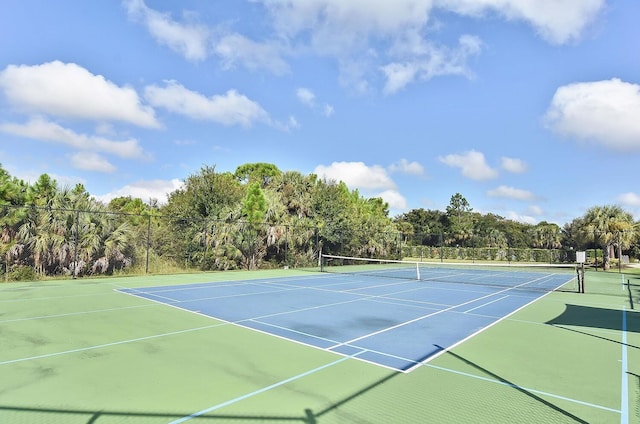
{"points": [[81, 352]]}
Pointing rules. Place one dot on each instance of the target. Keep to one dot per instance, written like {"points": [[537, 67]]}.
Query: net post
{"points": [[581, 258]]}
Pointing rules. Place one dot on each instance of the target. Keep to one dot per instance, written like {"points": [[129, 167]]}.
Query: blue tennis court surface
{"points": [[393, 323]]}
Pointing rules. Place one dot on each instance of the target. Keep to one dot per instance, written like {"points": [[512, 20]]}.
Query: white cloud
{"points": [[197, 42], [188, 39], [237, 49], [70, 91], [630, 199], [367, 36], [145, 190], [30, 176], [363, 35], [432, 61], [185, 142], [91, 161], [328, 110], [472, 164], [395, 200], [337, 22], [369, 179], [557, 21], [229, 109], [535, 210], [603, 112], [515, 216], [43, 130], [398, 76], [395, 37], [336, 26], [404, 166], [511, 193], [306, 96], [291, 124], [513, 165], [356, 175]]}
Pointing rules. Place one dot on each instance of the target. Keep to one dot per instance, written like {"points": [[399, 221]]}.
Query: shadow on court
{"points": [[307, 416], [633, 292], [96, 417], [594, 317], [522, 390]]}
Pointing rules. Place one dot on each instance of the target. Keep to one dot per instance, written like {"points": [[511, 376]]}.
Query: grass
{"points": [[80, 352]]}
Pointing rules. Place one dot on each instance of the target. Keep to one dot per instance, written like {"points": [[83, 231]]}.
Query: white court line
{"points": [[223, 283], [515, 386], [505, 317], [56, 297], [143, 293], [259, 391], [329, 349], [485, 304], [290, 330], [300, 375], [419, 304], [82, 349], [328, 287], [75, 313], [393, 327], [363, 297], [132, 293], [530, 390], [137, 291], [624, 394]]}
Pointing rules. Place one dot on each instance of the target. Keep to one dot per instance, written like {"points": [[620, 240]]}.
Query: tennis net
{"points": [[529, 276]]}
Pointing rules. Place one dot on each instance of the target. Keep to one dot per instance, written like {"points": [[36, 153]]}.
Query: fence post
{"points": [[146, 267], [595, 251], [286, 246], [203, 262], [473, 248], [75, 246], [619, 253], [317, 242]]}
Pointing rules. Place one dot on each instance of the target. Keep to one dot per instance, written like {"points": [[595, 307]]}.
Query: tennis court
{"points": [[309, 347], [387, 321]]}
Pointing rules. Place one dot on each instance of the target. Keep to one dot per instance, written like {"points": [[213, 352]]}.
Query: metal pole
{"points": [[146, 268], [595, 250], [206, 247], [286, 247], [75, 258], [619, 253], [317, 242]]}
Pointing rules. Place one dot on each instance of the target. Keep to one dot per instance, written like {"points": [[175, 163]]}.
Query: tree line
{"points": [[256, 217]]}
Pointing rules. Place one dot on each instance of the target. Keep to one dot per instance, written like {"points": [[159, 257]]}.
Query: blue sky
{"points": [[529, 109]]}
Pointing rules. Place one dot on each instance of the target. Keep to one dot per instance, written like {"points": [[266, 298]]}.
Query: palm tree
{"points": [[12, 215], [496, 238], [608, 226]]}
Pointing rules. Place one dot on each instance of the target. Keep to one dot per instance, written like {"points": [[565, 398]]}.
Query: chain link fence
{"points": [[47, 241]]}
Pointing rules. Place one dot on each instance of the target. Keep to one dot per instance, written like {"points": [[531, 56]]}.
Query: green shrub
{"points": [[22, 273]]}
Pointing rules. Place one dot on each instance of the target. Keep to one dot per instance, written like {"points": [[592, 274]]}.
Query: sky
{"points": [[528, 108]]}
